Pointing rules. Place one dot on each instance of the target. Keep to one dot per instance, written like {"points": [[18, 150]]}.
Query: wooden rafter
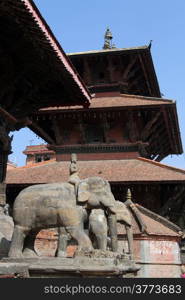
{"points": [[135, 81], [174, 133], [162, 148], [167, 127], [146, 131], [145, 74], [128, 68], [7, 116], [42, 133]]}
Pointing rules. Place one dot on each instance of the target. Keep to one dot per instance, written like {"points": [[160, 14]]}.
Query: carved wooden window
{"points": [[46, 157], [38, 158]]}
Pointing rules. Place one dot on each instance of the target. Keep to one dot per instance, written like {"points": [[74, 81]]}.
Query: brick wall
{"points": [[47, 241]]}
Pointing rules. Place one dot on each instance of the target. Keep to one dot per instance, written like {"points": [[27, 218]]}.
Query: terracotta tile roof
{"points": [[37, 149], [156, 225], [33, 147], [153, 227], [128, 170], [123, 100], [42, 163]]}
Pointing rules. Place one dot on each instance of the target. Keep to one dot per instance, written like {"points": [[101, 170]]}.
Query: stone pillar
{"points": [[3, 166], [2, 196], [6, 222], [5, 150]]}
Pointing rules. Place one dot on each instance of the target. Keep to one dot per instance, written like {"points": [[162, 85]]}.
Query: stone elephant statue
{"points": [[98, 222], [98, 226], [57, 205]]}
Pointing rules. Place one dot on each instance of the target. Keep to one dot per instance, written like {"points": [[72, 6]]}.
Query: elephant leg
{"points": [[84, 243], [17, 243], [112, 224], [98, 226], [102, 241], [29, 250], [62, 242], [130, 241]]}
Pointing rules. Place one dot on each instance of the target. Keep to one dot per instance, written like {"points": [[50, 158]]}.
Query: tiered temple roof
{"points": [[129, 70], [158, 116], [126, 171]]}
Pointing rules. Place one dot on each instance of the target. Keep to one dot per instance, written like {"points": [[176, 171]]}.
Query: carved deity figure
{"points": [[73, 171]]}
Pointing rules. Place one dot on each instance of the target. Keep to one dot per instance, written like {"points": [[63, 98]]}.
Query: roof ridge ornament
{"points": [[108, 40], [150, 44], [129, 195]]}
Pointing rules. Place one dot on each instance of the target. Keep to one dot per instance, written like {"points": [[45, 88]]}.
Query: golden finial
{"points": [[129, 195]]}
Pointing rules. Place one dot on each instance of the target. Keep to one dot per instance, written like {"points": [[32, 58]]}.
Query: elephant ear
{"points": [[83, 192]]}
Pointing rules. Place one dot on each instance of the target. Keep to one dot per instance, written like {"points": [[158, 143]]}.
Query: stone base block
{"points": [[13, 270], [79, 266]]}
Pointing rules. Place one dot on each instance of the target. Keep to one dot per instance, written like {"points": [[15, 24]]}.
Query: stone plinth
{"points": [[13, 270], [79, 266]]}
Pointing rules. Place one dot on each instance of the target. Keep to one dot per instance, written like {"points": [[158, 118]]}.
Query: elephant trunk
{"points": [[112, 224]]}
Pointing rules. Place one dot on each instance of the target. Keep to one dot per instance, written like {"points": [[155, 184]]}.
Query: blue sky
{"points": [[80, 26]]}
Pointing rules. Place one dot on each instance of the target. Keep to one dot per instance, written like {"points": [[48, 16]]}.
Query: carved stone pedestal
{"points": [[79, 266]]}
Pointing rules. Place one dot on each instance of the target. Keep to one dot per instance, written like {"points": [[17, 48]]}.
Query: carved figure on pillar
{"points": [[73, 171]]}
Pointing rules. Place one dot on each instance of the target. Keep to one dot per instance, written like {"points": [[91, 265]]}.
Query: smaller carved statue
{"points": [[98, 222], [73, 171]]}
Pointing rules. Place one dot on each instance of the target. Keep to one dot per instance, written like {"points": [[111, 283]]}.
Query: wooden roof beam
{"points": [[38, 130], [128, 68], [174, 133], [167, 127], [145, 74], [162, 148], [8, 117], [148, 126]]}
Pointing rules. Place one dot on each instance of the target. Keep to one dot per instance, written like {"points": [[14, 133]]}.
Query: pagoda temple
{"points": [[123, 136]]}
